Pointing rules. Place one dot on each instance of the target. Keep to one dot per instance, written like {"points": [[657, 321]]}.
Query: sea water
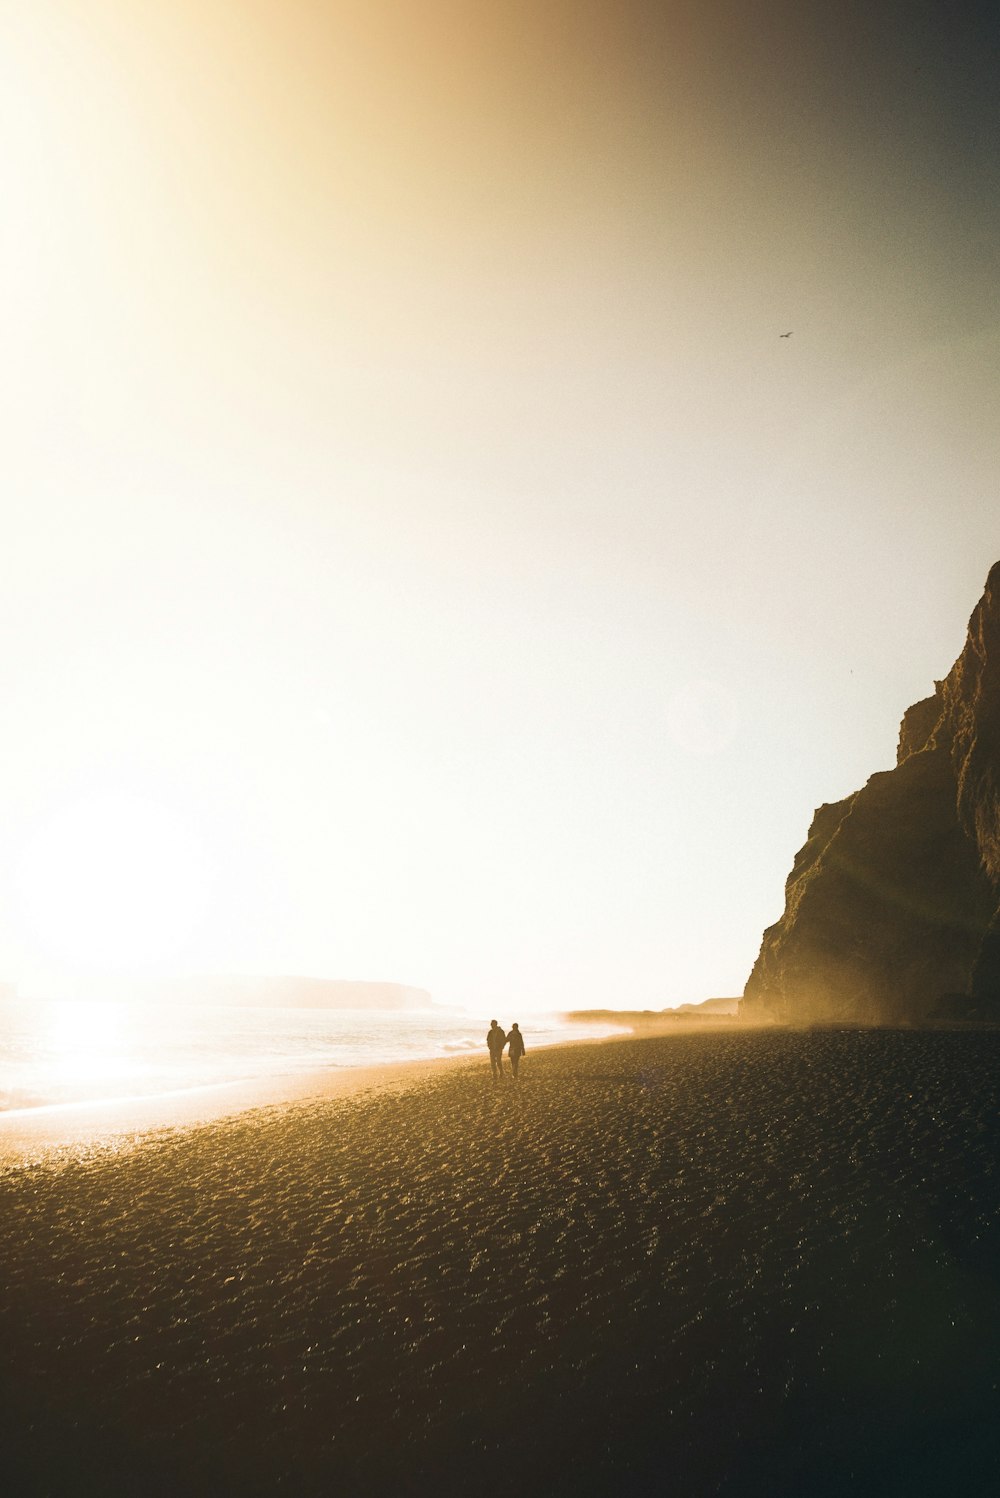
{"points": [[70, 1052]]}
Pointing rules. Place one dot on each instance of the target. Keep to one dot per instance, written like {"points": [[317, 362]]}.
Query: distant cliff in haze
{"points": [[309, 993], [892, 907], [657, 1019]]}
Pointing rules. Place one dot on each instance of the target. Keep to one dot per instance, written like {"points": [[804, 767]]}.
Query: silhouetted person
{"points": [[496, 1040], [516, 1044]]}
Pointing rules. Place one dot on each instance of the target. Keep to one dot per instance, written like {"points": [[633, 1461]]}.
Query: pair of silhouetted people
{"points": [[495, 1042]]}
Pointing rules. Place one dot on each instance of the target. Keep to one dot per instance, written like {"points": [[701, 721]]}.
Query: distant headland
{"points": [[300, 993], [892, 907], [645, 1020]]}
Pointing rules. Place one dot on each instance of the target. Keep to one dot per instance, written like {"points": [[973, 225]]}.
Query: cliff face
{"points": [[892, 908]]}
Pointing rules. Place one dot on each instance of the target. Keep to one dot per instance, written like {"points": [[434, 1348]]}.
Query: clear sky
{"points": [[423, 558]]}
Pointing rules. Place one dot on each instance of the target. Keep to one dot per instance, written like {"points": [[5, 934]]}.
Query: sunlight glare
{"points": [[85, 1043], [113, 883]]}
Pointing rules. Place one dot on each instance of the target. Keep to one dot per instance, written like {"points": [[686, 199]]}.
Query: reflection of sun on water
{"points": [[113, 883], [84, 1043]]}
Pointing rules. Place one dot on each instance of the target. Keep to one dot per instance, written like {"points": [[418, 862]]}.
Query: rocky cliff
{"points": [[892, 908]]}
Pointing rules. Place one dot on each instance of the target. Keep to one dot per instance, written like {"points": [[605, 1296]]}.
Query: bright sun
{"points": [[113, 883]]}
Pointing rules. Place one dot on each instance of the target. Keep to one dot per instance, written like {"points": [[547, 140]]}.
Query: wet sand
{"points": [[67, 1132], [748, 1263]]}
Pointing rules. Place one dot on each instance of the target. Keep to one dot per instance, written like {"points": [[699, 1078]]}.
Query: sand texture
{"points": [[75, 1131], [742, 1263]]}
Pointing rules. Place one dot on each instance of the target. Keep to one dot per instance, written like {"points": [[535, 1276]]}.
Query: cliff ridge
{"points": [[892, 907]]}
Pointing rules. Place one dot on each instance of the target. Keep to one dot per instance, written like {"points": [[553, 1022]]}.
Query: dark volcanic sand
{"points": [[747, 1263]]}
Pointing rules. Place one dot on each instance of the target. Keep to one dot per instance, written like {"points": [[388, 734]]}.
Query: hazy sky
{"points": [[422, 557]]}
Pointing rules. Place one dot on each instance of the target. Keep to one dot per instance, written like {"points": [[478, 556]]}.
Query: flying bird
{"points": [[786, 335]]}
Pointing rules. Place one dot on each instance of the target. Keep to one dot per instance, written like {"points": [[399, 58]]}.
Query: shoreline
{"points": [[57, 1132], [60, 1132], [30, 1136]]}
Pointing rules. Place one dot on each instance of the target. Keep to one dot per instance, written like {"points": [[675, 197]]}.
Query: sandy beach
{"points": [[74, 1131], [742, 1263]]}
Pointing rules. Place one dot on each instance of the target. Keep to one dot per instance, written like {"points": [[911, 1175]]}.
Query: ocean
{"points": [[54, 1053]]}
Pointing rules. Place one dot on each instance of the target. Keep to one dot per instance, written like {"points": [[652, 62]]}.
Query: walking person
{"points": [[515, 1041], [495, 1042]]}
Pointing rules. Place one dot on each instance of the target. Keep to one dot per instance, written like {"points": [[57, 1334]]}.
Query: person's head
{"points": [[514, 1025], [493, 1024]]}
